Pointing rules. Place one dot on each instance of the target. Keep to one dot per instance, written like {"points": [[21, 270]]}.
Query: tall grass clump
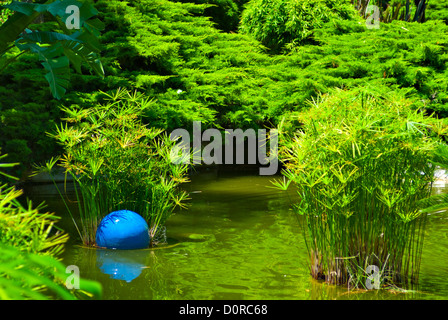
{"points": [[117, 163], [361, 162]]}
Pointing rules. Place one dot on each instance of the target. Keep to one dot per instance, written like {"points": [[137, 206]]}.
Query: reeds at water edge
{"points": [[117, 163], [362, 164]]}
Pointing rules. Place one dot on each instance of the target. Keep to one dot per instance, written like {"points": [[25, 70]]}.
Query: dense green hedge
{"points": [[175, 54], [437, 10]]}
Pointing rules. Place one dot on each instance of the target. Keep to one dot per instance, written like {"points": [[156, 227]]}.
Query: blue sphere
{"points": [[123, 229]]}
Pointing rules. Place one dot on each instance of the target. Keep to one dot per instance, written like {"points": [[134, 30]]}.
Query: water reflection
{"points": [[121, 264]]}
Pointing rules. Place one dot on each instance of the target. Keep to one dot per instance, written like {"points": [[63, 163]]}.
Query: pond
{"points": [[239, 239]]}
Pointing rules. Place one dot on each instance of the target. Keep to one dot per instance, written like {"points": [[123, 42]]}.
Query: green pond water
{"points": [[238, 240]]}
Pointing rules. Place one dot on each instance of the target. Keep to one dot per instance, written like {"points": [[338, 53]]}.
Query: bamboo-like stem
{"points": [[362, 164], [119, 163]]}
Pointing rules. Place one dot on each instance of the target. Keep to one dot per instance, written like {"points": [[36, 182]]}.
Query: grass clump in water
{"points": [[117, 163], [361, 162]]}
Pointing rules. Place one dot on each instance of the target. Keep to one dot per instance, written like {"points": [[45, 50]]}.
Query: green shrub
{"points": [[224, 13], [26, 227], [437, 10], [361, 162], [277, 23], [27, 111], [399, 54]]}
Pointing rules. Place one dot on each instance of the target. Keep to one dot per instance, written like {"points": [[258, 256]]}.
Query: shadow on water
{"points": [[238, 240]]}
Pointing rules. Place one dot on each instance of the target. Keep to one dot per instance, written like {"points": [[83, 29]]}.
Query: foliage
{"points": [[55, 50], [119, 163], [25, 227], [224, 13], [30, 276], [185, 69], [277, 23], [6, 165], [176, 56], [437, 10], [6, 13], [29, 247], [399, 55], [361, 164], [23, 126], [193, 72]]}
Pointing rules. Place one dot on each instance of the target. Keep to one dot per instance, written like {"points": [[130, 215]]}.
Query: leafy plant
{"points": [[224, 13], [361, 162], [6, 13], [119, 163], [29, 246], [437, 10], [278, 23], [6, 165], [26, 227], [55, 50], [30, 276]]}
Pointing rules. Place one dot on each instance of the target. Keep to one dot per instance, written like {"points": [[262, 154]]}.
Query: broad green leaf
{"points": [[94, 26], [89, 40], [44, 37], [57, 76], [55, 60], [77, 52], [74, 58], [55, 63], [72, 47], [26, 8], [12, 28]]}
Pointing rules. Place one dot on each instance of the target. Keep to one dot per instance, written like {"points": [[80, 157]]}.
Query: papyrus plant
{"points": [[117, 162], [361, 163], [25, 226], [30, 243]]}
